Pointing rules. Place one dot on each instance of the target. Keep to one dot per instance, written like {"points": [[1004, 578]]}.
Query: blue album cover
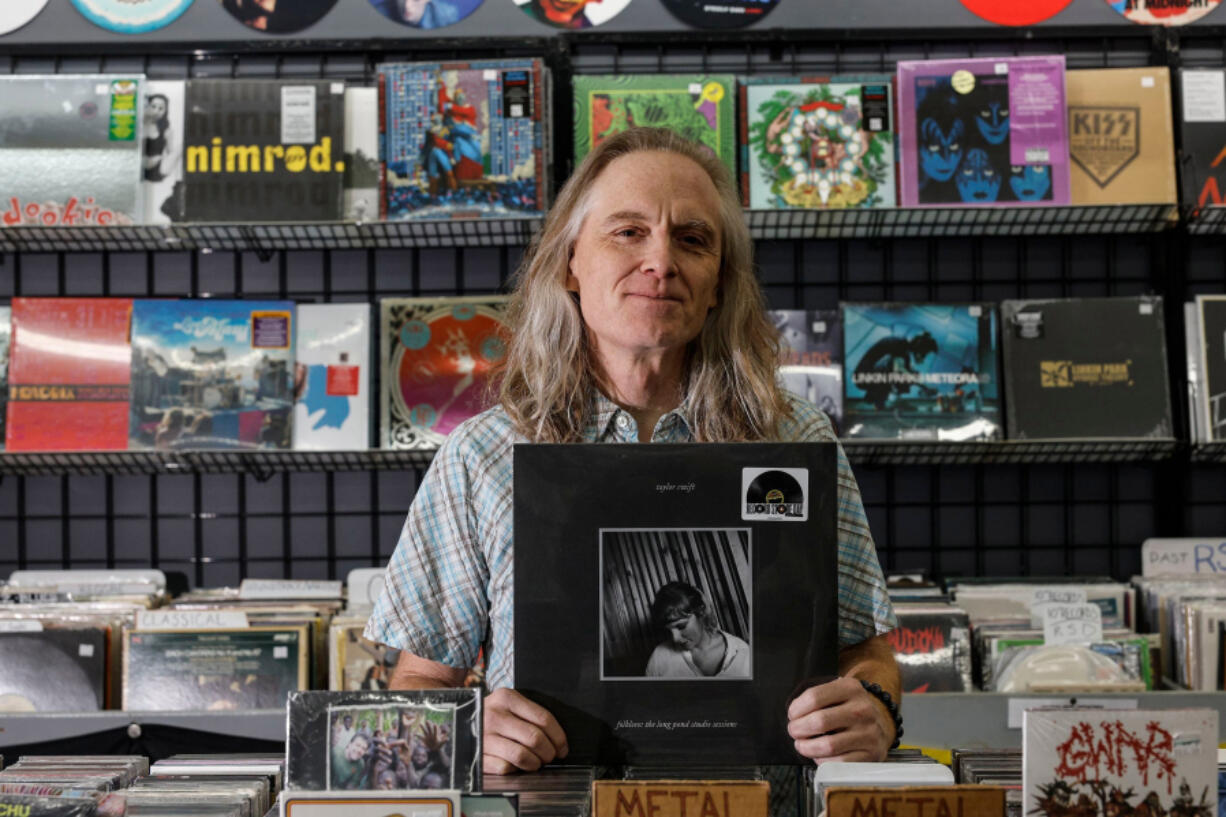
{"points": [[212, 374], [463, 139], [132, 16], [921, 371]]}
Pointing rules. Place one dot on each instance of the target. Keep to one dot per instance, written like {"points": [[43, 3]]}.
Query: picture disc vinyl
{"points": [[278, 16], [1163, 12], [131, 16], [720, 13], [572, 14], [774, 487], [16, 13], [1013, 13], [426, 14]]}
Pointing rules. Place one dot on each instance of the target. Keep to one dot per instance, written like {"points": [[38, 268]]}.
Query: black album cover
{"points": [[1202, 137], [933, 649], [53, 671], [402, 739], [264, 150], [671, 599], [1213, 359], [1086, 368], [720, 13]]}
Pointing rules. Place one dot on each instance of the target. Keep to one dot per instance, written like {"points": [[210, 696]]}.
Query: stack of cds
{"points": [[556, 791]]}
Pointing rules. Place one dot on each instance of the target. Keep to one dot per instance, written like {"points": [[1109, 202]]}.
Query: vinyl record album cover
{"points": [[273, 17], [463, 139], [251, 668], [403, 739], [132, 16], [212, 374], [357, 662], [1086, 368], [163, 150], [16, 13], [427, 14], [723, 14], [700, 108], [332, 377], [572, 14], [264, 150], [1212, 309], [1135, 762], [932, 644], [70, 150], [68, 374], [1121, 138], [921, 371], [53, 671], [817, 142], [437, 357], [1163, 12], [45, 806], [361, 154], [1202, 138], [812, 365], [6, 336], [984, 132], [671, 620]]}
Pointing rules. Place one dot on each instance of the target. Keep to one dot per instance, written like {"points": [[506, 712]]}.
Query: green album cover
{"points": [[700, 108], [251, 668]]}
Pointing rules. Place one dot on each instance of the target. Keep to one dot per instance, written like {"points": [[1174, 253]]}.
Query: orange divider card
{"points": [[680, 798], [916, 801]]}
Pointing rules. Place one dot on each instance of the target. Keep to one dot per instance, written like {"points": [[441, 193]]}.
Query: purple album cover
{"points": [[988, 132]]}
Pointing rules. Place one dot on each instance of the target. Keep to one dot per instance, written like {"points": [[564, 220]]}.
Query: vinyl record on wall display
{"points": [[720, 13], [131, 16], [1014, 13], [278, 16], [1163, 12], [572, 14], [426, 13], [16, 13]]}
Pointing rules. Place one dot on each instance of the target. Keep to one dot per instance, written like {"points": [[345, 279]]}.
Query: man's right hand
{"points": [[519, 734]]}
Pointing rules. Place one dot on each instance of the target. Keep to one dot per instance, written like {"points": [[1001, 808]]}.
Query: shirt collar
{"points": [[674, 426]]}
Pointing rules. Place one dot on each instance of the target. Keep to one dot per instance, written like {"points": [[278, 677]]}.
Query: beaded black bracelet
{"points": [[888, 700]]}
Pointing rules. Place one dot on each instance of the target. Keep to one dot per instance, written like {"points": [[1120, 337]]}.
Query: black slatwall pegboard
{"points": [[964, 520]]}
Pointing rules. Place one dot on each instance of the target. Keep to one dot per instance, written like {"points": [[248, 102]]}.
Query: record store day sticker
{"points": [[16, 13], [131, 16], [1163, 12], [775, 494]]}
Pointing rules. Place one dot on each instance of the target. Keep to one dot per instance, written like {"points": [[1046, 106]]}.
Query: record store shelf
{"points": [[1207, 220], [23, 728], [763, 224], [1209, 452], [268, 238], [264, 463]]}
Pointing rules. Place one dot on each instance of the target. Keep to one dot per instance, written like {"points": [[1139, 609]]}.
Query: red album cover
{"points": [[69, 374]]}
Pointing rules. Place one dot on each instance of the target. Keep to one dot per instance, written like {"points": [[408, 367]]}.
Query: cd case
{"points": [[402, 740]]}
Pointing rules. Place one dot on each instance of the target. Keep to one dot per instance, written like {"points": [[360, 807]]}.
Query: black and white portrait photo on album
{"points": [[676, 604]]}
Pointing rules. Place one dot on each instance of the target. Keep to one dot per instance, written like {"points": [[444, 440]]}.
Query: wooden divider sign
{"points": [[916, 801], [680, 798]]}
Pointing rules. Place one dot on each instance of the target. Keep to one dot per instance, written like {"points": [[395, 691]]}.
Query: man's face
{"points": [[357, 748], [414, 10], [646, 262], [348, 722], [685, 632]]}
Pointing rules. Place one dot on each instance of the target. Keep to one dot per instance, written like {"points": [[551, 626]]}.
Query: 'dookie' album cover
{"points": [[921, 371], [985, 132], [1086, 368], [70, 150], [672, 621], [402, 739]]}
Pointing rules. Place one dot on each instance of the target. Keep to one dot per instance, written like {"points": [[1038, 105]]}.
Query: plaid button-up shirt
{"points": [[450, 581]]}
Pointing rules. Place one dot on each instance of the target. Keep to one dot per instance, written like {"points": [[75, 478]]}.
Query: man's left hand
{"points": [[839, 720]]}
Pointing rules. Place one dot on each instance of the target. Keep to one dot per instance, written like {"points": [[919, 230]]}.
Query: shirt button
{"points": [[623, 422]]}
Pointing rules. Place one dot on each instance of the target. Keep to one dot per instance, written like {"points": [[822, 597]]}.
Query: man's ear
{"points": [[572, 282]]}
